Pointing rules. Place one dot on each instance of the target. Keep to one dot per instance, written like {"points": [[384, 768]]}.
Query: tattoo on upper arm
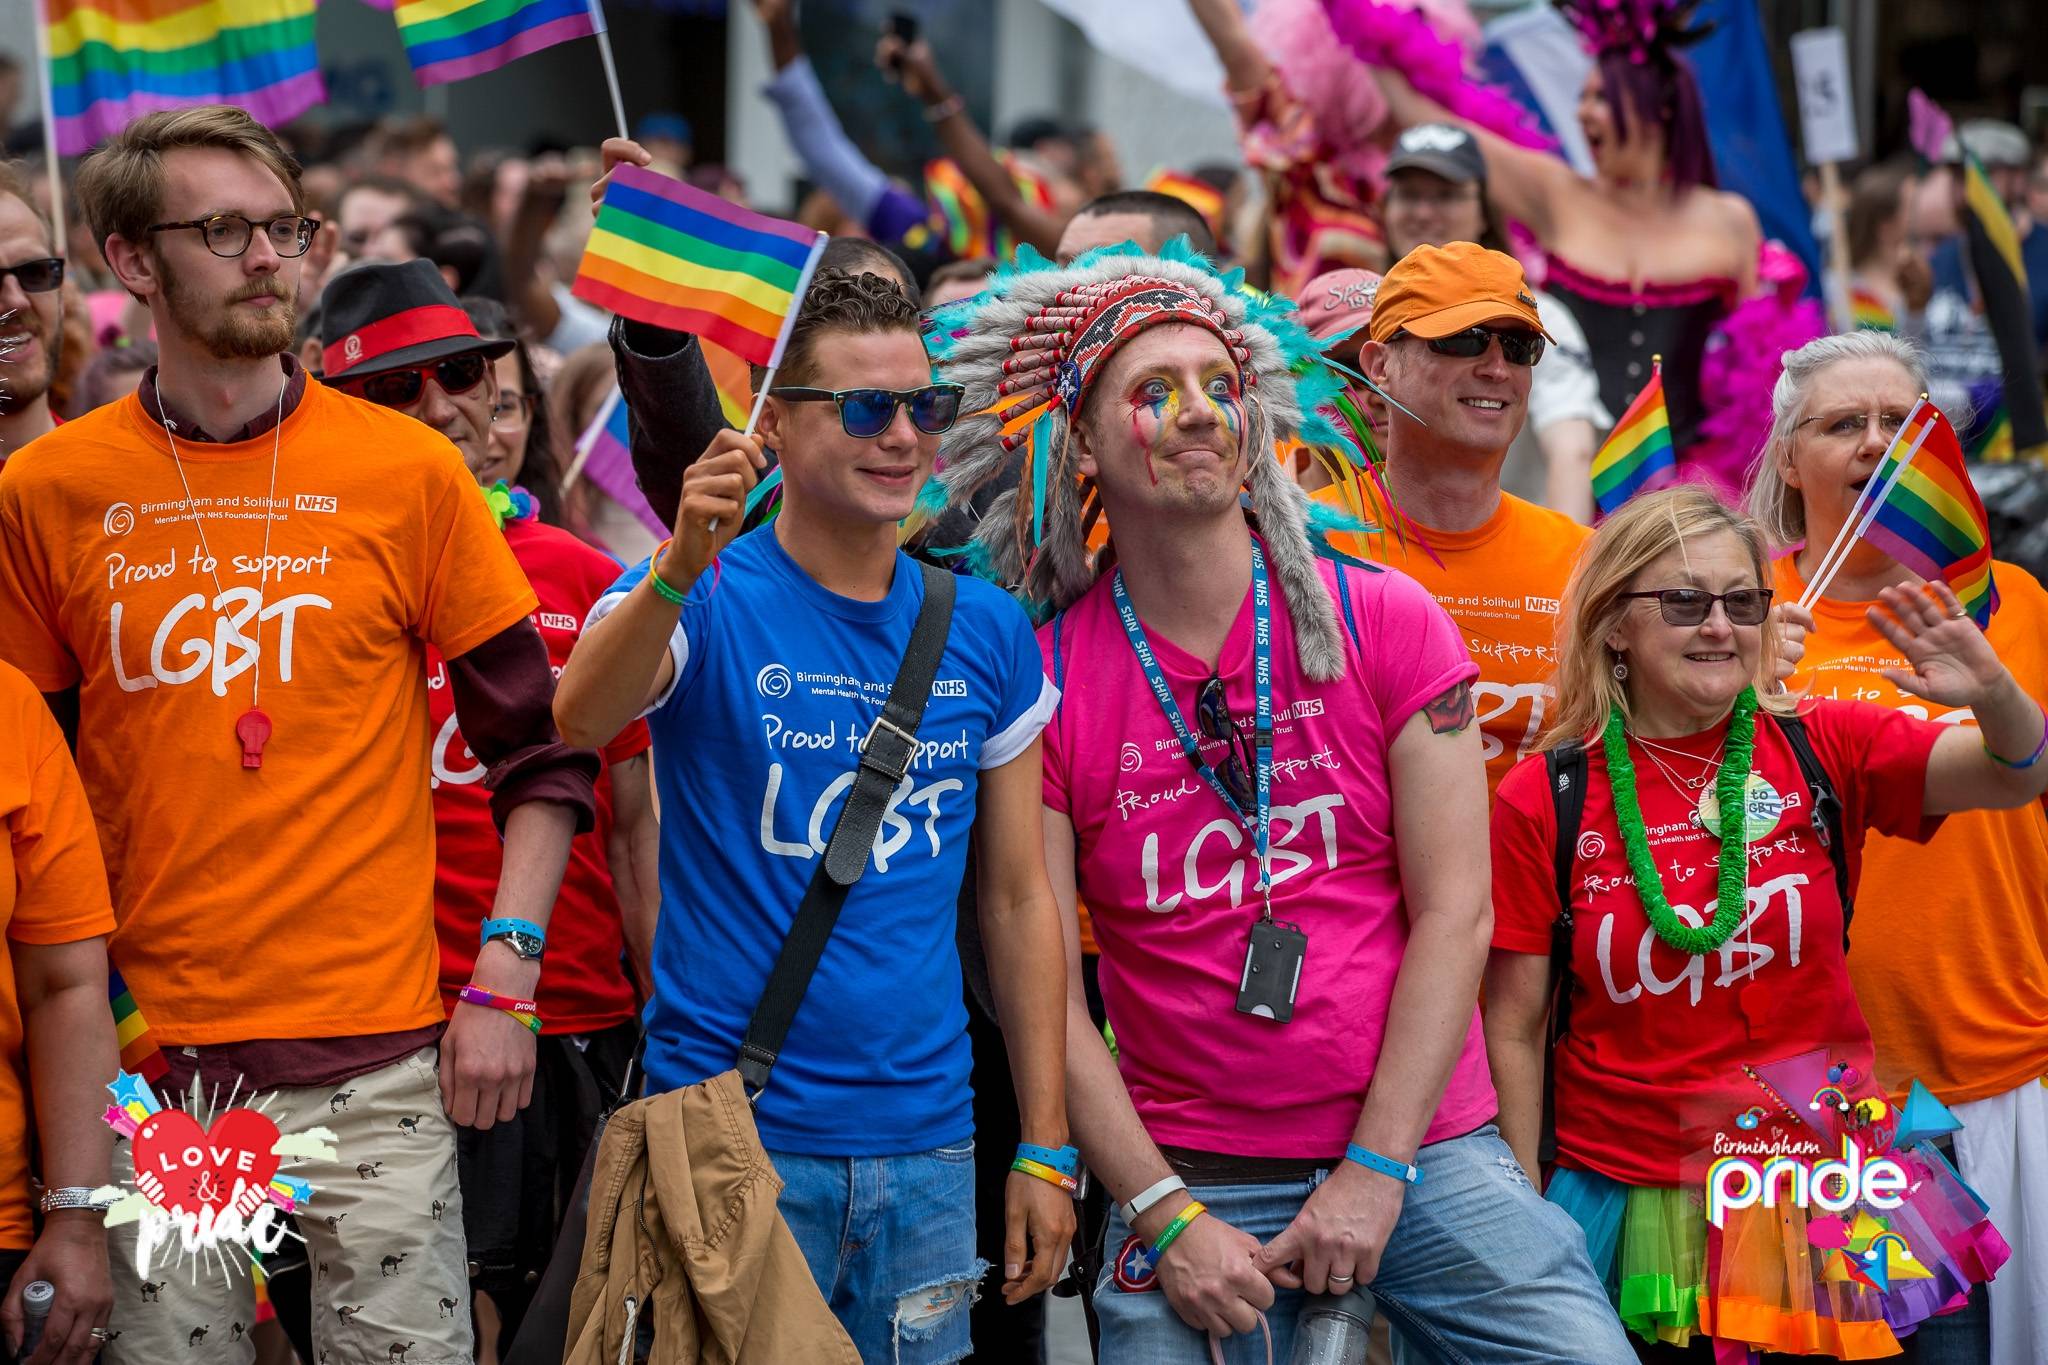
{"points": [[1451, 710]]}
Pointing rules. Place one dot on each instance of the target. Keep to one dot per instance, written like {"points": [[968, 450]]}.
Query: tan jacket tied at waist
{"points": [[684, 1230]]}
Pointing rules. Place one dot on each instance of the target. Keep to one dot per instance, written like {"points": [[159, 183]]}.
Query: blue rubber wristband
{"points": [[498, 928], [1065, 1160], [1385, 1165]]}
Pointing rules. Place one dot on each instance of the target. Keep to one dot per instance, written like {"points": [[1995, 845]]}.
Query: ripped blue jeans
{"points": [[890, 1241]]}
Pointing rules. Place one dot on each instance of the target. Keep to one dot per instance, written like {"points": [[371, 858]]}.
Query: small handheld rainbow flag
{"points": [[139, 1052], [732, 379], [1638, 449], [446, 40], [1927, 514], [604, 455], [673, 256], [112, 61]]}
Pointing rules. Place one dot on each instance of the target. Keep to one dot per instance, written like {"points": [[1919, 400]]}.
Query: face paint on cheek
{"points": [[1162, 411], [1230, 415]]}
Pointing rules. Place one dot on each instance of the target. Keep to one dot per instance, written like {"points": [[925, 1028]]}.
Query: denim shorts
{"points": [[890, 1241]]}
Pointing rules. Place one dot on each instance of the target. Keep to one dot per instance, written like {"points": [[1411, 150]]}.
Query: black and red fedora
{"points": [[381, 316]]}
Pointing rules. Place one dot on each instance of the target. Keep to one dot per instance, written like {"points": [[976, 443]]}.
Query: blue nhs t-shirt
{"points": [[777, 680]]}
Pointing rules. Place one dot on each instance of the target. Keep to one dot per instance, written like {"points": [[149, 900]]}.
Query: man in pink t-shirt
{"points": [[1265, 781]]}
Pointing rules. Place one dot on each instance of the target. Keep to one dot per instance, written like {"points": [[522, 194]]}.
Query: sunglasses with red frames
{"points": [[402, 388]]}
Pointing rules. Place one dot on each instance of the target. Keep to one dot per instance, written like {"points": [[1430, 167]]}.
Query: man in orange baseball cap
{"points": [[1455, 332]]}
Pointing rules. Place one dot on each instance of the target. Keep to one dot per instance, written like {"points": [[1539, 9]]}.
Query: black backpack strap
{"points": [[1565, 766], [884, 761], [1827, 811]]}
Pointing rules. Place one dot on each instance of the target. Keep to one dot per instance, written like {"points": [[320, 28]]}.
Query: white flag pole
{"points": [[47, 75], [796, 303], [588, 441]]}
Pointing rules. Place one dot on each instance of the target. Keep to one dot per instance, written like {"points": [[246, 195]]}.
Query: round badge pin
{"points": [[1762, 808]]}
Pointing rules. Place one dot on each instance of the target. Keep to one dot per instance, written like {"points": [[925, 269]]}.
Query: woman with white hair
{"points": [[1965, 1010], [1686, 898]]}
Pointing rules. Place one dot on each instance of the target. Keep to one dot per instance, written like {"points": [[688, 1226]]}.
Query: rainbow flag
{"points": [[139, 1052], [671, 255], [1197, 193], [1927, 514], [1870, 313], [447, 40], [604, 455], [114, 60], [734, 382], [1638, 449]]}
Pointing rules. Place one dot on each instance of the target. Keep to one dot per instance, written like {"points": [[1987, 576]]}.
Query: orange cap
{"points": [[1434, 291]]}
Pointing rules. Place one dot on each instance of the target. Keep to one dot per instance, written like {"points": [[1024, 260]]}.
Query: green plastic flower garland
{"points": [[1731, 790]]}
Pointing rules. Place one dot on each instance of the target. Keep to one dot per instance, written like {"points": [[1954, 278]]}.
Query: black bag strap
{"points": [[1565, 766], [1827, 811], [884, 762]]}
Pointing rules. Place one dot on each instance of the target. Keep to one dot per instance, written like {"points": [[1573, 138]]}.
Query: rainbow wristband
{"points": [[1066, 1160], [2030, 760], [661, 586], [527, 1018], [1194, 1210], [1044, 1172], [491, 1000]]}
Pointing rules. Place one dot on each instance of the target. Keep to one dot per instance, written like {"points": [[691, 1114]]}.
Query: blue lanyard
{"points": [[1262, 650]]}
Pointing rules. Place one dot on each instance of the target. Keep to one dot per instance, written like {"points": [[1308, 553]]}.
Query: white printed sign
{"points": [[1827, 110]]}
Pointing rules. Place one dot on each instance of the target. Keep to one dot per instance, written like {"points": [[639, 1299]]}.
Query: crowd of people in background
{"points": [[520, 832]]}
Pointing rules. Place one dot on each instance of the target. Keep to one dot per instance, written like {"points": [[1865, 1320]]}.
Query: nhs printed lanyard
{"points": [[1262, 653]]}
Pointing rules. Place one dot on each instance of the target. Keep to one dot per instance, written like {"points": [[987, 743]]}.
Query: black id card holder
{"points": [[1272, 970]]}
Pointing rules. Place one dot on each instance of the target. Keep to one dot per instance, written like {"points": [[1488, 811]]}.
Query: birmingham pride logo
{"points": [[206, 1187]]}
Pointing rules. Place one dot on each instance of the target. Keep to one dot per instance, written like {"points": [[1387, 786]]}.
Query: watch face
{"points": [[526, 945]]}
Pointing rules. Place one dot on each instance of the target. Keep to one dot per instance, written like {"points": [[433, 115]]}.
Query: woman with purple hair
{"points": [[1648, 252]]}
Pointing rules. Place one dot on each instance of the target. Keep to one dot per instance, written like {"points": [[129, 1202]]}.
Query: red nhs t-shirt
{"points": [[583, 987], [1652, 1066]]}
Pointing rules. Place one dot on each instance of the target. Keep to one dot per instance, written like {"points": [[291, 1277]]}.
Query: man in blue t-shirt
{"points": [[761, 661]]}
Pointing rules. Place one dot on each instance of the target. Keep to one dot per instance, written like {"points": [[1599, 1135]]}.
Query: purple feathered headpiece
{"points": [[1637, 29]]}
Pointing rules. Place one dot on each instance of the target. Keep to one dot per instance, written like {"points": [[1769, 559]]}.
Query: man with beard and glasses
{"points": [[31, 315], [240, 571]]}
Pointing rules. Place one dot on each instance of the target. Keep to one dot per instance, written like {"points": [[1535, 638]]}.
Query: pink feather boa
{"points": [[1743, 360], [1396, 37]]}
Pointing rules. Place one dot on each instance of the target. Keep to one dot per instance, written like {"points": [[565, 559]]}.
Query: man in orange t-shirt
{"points": [[239, 570], [1497, 564]]}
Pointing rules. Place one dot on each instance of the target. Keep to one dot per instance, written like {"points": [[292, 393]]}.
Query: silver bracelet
{"points": [[1147, 1198], [68, 1197], [945, 109]]}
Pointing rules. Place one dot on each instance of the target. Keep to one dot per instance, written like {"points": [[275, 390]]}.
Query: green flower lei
{"points": [[1731, 789]]}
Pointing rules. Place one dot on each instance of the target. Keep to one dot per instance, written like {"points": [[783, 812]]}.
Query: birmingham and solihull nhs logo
{"points": [[315, 502]]}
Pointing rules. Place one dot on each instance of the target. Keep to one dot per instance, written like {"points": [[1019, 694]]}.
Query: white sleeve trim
{"points": [[1016, 737], [678, 648]]}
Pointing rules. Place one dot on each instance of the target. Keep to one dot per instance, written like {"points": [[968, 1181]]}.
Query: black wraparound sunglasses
{"points": [[1691, 606], [36, 277], [402, 388], [866, 413], [1516, 347]]}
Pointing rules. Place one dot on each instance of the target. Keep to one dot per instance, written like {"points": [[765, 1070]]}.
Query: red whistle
{"points": [[252, 727]]}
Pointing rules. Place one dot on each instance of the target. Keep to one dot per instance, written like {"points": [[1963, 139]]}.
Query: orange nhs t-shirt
{"points": [[52, 890], [1949, 947], [1501, 582], [294, 899]]}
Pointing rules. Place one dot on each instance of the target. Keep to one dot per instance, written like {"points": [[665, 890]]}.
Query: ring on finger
{"points": [[1341, 1279]]}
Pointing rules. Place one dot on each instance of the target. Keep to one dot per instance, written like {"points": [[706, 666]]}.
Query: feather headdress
{"points": [[1027, 350]]}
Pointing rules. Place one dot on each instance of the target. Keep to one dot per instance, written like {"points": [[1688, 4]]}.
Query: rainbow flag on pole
{"points": [[1928, 515], [114, 60], [669, 254], [604, 455], [447, 40], [1638, 449]]}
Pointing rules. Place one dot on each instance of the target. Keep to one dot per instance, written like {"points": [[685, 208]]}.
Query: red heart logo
{"points": [[183, 1170]]}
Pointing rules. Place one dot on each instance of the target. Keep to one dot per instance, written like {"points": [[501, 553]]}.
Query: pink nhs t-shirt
{"points": [[1170, 875]]}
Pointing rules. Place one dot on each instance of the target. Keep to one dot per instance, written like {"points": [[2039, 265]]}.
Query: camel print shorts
{"points": [[383, 1240]]}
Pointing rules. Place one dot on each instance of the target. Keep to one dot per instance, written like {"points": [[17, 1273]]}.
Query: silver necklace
{"points": [[252, 727]]}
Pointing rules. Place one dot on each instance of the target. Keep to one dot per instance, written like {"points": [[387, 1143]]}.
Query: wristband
{"points": [[667, 593], [528, 1018], [68, 1197], [1194, 1210], [491, 1000], [1046, 1173], [1152, 1195], [2030, 760], [945, 109], [525, 937], [1066, 1160], [1385, 1165]]}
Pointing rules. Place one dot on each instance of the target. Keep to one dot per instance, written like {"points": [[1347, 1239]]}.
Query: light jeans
{"points": [[1479, 1270]]}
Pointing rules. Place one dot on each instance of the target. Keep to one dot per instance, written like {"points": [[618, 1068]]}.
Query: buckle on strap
{"points": [[888, 749], [754, 1065]]}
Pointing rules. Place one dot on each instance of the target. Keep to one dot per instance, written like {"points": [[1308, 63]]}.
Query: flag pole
{"points": [[796, 303], [611, 67], [46, 71], [589, 439], [1865, 511]]}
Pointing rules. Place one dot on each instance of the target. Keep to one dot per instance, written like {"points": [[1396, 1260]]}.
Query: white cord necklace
{"points": [[252, 727]]}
